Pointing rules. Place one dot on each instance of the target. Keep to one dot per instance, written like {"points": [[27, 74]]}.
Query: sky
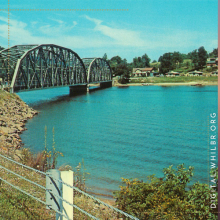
{"points": [[153, 27]]}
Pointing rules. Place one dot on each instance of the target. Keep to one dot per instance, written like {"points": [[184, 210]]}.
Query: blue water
{"points": [[129, 132]]}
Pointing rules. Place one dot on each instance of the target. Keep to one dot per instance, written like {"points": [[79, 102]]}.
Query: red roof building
{"points": [[212, 62], [142, 71]]}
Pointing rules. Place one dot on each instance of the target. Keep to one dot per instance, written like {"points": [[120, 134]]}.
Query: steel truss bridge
{"points": [[48, 65]]}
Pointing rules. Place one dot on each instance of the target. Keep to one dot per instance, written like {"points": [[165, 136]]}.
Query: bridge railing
{"points": [[49, 193]]}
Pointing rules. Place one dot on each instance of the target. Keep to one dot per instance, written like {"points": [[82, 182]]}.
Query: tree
{"points": [[114, 62], [177, 59], [141, 62], [137, 63], [202, 57], [195, 58], [167, 197], [187, 64], [214, 53], [145, 60], [165, 62], [123, 71], [105, 57], [170, 61], [120, 68]]}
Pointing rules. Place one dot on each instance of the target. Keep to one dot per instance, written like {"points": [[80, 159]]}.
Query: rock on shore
{"points": [[13, 115]]}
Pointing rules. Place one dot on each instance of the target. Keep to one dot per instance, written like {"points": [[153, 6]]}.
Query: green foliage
{"points": [[120, 68], [44, 160], [195, 59], [105, 57], [50, 157], [167, 197], [170, 61], [199, 57], [202, 55], [116, 60], [179, 79], [80, 176], [177, 59], [141, 62], [123, 80], [214, 53], [116, 64], [16, 205]]}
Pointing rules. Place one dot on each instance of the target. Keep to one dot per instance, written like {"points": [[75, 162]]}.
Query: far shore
{"points": [[202, 83]]}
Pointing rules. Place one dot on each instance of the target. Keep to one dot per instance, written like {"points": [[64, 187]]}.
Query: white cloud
{"points": [[21, 33], [58, 21], [5, 19], [74, 23], [96, 21], [34, 22], [121, 37], [57, 30]]}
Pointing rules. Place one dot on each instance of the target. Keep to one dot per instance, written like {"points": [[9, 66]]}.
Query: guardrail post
{"points": [[67, 177], [54, 189]]}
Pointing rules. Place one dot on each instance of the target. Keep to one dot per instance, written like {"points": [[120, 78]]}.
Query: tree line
{"points": [[168, 61]]}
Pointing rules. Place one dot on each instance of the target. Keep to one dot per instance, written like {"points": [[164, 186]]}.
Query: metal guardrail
{"points": [[56, 195]]}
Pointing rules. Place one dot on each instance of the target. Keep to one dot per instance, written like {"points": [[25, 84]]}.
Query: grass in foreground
{"points": [[16, 205]]}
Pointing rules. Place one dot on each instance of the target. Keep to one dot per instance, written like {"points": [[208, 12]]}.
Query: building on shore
{"points": [[144, 72], [215, 73], [211, 62], [172, 74], [194, 73]]}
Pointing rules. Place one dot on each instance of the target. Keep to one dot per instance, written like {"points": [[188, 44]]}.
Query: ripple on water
{"points": [[129, 133]]}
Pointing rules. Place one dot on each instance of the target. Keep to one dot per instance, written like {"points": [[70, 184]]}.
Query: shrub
{"points": [[167, 197]]}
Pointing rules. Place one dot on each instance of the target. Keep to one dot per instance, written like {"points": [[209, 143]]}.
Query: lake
{"points": [[129, 132]]}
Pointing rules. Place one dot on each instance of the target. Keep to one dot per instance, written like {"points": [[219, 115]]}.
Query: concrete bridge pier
{"points": [[106, 84], [78, 89]]}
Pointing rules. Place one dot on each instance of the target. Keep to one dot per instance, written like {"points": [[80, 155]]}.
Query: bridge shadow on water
{"points": [[46, 99]]}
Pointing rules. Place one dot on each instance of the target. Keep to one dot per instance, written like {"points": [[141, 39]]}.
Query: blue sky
{"points": [[153, 27]]}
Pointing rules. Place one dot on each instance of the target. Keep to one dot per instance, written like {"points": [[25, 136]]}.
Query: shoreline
{"points": [[14, 114], [203, 83]]}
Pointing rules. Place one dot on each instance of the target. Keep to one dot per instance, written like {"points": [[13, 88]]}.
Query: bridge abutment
{"points": [[106, 84], [78, 89]]}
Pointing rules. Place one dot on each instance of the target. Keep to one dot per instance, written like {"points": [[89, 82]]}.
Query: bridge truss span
{"points": [[40, 66], [98, 70]]}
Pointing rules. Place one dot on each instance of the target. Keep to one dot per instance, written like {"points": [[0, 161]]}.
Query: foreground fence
{"points": [[55, 193]]}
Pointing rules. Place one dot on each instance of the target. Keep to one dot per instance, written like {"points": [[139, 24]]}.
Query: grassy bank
{"points": [[16, 205], [179, 79]]}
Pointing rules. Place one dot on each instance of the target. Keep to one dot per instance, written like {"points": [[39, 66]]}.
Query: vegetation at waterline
{"points": [[168, 197], [43, 161]]}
